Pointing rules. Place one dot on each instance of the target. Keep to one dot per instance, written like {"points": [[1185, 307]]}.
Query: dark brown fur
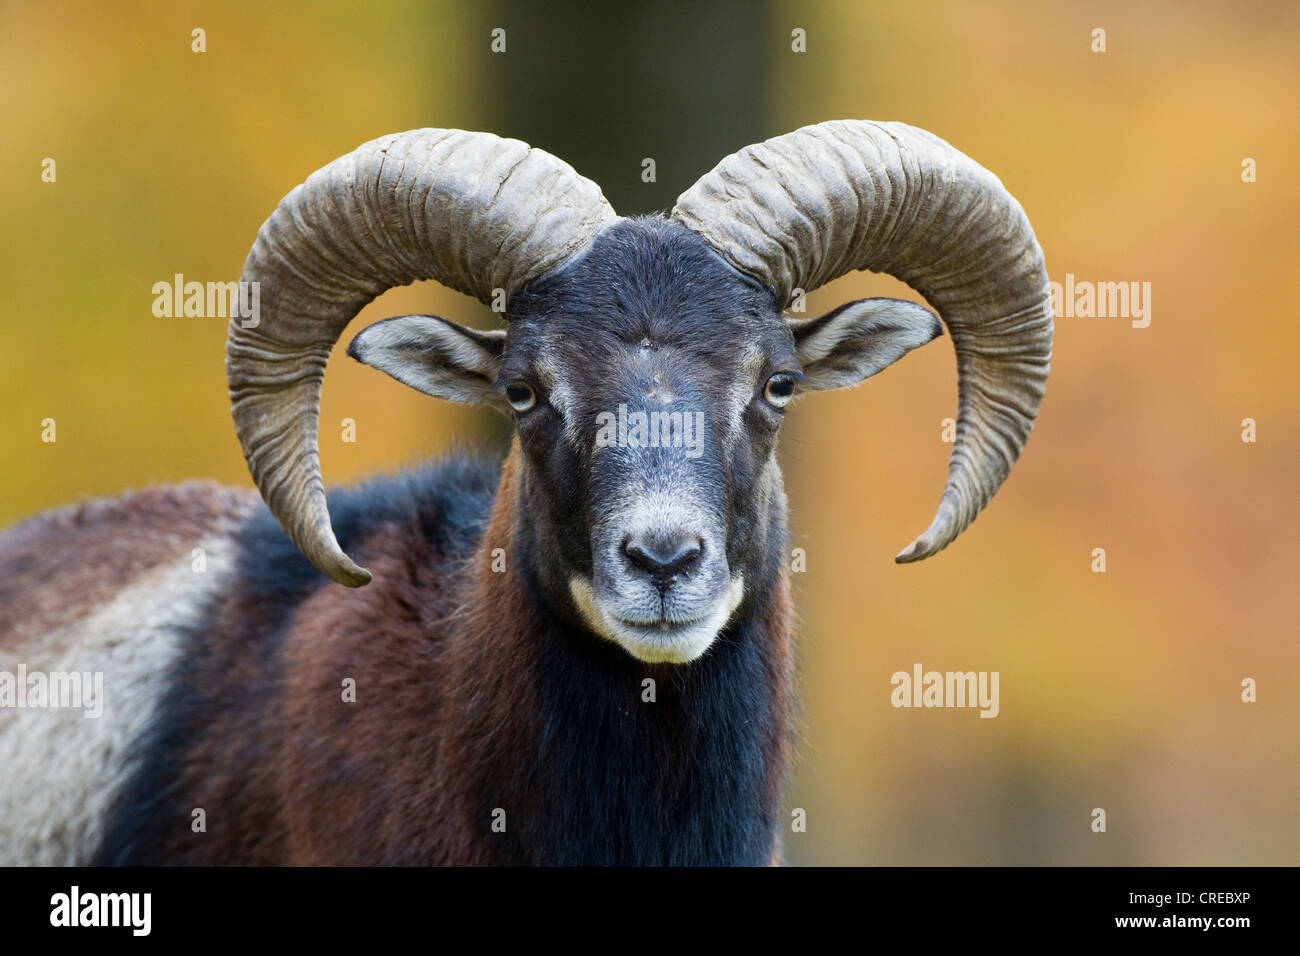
{"points": [[445, 726], [95, 549]]}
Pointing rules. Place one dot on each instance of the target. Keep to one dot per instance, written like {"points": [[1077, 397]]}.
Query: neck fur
{"points": [[588, 756]]}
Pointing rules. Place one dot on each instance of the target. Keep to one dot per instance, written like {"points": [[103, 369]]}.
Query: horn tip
{"points": [[943, 529], [343, 570], [928, 544], [912, 553], [354, 577]]}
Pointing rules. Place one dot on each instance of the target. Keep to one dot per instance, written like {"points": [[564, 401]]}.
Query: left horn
{"points": [[472, 210], [799, 210]]}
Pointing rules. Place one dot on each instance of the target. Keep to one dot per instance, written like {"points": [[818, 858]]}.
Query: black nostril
{"points": [[663, 558]]}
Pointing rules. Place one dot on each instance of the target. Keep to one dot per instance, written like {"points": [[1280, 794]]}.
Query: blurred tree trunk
{"points": [[608, 86]]}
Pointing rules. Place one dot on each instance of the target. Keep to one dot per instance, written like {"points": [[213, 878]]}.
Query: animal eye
{"points": [[779, 389], [521, 396]]}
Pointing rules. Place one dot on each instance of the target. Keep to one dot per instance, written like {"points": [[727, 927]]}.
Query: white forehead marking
{"points": [[661, 392], [549, 371], [741, 391], [550, 375]]}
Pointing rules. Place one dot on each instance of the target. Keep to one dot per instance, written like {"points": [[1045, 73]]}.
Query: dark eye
{"points": [[521, 396], [779, 389]]}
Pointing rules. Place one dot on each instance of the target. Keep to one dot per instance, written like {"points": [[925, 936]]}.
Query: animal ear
{"points": [[859, 339], [434, 356]]}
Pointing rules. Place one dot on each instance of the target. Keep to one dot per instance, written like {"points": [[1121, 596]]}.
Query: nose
{"points": [[663, 557]]}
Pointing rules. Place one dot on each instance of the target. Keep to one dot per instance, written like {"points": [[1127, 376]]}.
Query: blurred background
{"points": [[1119, 690]]}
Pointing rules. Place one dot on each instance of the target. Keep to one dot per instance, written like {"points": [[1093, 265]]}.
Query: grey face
{"points": [[649, 426], [647, 383]]}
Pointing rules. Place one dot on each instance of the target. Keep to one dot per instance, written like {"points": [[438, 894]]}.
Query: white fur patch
{"points": [[680, 645], [60, 770]]}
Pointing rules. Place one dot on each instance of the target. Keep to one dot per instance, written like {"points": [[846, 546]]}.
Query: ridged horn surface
{"points": [[799, 210], [474, 211]]}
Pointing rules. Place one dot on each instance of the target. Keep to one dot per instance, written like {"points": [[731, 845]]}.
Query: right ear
{"points": [[436, 357], [859, 339]]}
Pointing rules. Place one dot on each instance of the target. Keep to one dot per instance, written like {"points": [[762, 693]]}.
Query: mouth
{"points": [[663, 641], [659, 640], [662, 627]]}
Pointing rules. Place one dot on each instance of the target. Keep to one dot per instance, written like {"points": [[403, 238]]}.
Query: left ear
{"points": [[434, 356], [857, 340]]}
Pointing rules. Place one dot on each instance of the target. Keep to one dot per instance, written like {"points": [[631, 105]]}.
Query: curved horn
{"points": [[799, 210], [472, 210]]}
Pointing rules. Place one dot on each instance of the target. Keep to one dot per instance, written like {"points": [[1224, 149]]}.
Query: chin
{"points": [[657, 642]]}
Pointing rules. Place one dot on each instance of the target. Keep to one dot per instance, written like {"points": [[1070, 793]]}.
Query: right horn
{"points": [[474, 211], [799, 210]]}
